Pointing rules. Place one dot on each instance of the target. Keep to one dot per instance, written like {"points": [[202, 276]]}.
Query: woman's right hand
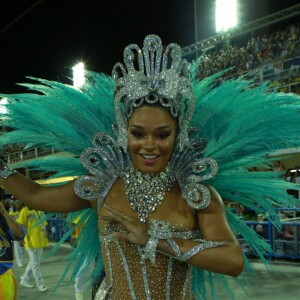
{"points": [[136, 230]]}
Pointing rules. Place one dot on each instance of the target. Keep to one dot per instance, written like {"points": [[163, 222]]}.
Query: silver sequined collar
{"points": [[146, 191]]}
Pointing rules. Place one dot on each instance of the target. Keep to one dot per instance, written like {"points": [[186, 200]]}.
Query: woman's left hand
{"points": [[136, 230]]}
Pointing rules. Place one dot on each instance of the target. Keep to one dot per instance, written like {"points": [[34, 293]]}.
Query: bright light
{"points": [[226, 14], [3, 109], [56, 180], [78, 75]]}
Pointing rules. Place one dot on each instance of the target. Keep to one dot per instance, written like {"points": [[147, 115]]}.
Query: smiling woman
{"points": [[155, 220], [151, 138]]}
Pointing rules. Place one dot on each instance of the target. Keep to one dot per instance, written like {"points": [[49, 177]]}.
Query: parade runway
{"points": [[52, 269], [283, 283]]}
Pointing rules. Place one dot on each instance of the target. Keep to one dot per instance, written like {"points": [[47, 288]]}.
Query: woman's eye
{"points": [[163, 135], [137, 134]]}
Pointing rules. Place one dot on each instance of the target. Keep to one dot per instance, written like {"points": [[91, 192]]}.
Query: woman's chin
{"points": [[150, 168]]}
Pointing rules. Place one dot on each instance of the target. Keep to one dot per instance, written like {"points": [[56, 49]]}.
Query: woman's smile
{"points": [[151, 138]]}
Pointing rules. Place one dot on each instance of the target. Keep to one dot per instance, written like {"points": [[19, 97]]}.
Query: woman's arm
{"points": [[49, 199], [224, 254], [225, 259]]}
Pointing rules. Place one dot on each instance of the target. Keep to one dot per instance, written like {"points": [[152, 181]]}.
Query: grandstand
{"points": [[270, 52], [266, 50], [259, 49]]}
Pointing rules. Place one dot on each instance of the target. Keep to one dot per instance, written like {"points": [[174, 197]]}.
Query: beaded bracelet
{"points": [[160, 230], [5, 171]]}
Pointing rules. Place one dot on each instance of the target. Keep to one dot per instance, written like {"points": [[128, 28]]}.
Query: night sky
{"points": [[53, 35]]}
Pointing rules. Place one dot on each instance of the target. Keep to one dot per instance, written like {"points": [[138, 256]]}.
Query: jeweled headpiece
{"points": [[151, 76]]}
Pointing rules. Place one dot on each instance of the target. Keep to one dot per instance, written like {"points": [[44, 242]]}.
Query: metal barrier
{"points": [[284, 241], [31, 153], [56, 228]]}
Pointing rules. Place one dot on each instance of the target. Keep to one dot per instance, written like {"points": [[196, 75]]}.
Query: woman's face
{"points": [[151, 138]]}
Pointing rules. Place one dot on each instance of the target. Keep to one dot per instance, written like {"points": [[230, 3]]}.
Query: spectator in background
{"points": [[297, 180], [86, 268], [290, 178], [35, 240], [8, 205], [279, 166], [18, 248], [265, 52], [10, 230], [288, 175]]}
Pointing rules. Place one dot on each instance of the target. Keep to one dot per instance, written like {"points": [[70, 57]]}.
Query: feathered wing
{"points": [[244, 125], [59, 117]]}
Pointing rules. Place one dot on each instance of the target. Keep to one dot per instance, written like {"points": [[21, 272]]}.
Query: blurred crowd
{"points": [[293, 175], [264, 56], [274, 57], [289, 174]]}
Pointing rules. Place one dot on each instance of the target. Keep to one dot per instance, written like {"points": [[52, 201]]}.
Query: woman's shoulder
{"points": [[117, 186], [214, 193], [216, 201]]}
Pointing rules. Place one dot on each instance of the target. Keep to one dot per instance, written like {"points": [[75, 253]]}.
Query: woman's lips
{"points": [[149, 159]]}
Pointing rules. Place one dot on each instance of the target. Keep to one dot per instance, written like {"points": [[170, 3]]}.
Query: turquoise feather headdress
{"points": [[243, 125]]}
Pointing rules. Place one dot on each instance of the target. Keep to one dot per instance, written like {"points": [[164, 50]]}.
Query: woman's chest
{"points": [[173, 208]]}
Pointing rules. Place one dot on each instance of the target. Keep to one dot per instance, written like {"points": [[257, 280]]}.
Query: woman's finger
{"points": [[122, 235], [117, 215], [109, 219]]}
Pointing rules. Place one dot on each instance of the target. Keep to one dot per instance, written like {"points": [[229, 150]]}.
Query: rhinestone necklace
{"points": [[146, 191]]}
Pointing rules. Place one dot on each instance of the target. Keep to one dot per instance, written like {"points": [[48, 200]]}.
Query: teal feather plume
{"points": [[57, 116], [238, 120], [61, 117], [62, 164], [243, 124], [85, 247]]}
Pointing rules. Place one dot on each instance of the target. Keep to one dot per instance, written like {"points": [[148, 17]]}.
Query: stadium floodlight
{"points": [[3, 109], [226, 15], [78, 75]]}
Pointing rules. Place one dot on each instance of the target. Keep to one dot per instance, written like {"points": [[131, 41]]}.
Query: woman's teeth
{"points": [[149, 156]]}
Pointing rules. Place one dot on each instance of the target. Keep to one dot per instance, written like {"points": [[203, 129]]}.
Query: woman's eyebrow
{"points": [[157, 128]]}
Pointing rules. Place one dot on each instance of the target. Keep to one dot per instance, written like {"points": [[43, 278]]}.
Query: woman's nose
{"points": [[149, 143]]}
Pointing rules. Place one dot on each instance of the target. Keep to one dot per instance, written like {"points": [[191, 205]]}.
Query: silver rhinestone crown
{"points": [[153, 76]]}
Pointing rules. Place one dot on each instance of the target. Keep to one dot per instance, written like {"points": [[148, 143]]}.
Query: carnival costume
{"points": [[224, 129]]}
